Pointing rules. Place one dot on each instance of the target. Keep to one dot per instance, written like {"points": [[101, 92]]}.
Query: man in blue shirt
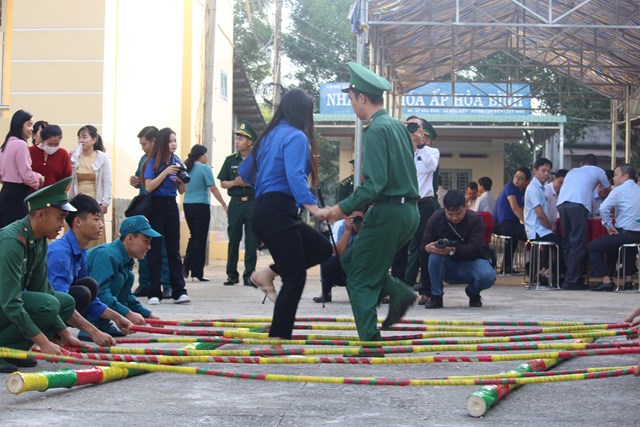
{"points": [[509, 215], [110, 264], [331, 272], [574, 206], [624, 199], [67, 272], [536, 213]]}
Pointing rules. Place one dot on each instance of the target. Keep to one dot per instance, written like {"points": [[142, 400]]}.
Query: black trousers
{"points": [[332, 274], [198, 216], [573, 217], [12, 206], [603, 253], [515, 230], [426, 208], [83, 292], [294, 246], [165, 219]]}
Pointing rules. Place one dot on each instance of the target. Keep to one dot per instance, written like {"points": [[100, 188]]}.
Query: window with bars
{"points": [[455, 179]]}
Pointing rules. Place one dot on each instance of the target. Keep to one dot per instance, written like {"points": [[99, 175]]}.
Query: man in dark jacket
{"points": [[454, 237]]}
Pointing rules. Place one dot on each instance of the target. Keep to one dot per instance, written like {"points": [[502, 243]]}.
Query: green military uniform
{"points": [[239, 215], [390, 183], [28, 303]]}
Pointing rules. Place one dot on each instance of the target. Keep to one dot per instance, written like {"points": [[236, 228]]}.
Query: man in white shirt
{"points": [[426, 159], [624, 199], [471, 196], [536, 223], [486, 202], [574, 206], [551, 192]]}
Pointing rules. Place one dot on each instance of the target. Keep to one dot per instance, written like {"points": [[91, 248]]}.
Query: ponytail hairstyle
{"points": [[40, 124], [196, 152], [18, 120], [93, 133], [296, 107]]}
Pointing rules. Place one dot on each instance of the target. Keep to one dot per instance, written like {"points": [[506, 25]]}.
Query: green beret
{"points": [[429, 130], [365, 80], [245, 129], [52, 196]]}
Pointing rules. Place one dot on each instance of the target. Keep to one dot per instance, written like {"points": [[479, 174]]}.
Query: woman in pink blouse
{"points": [[16, 174]]}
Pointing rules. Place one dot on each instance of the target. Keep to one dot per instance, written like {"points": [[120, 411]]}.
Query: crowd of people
{"points": [[390, 233]]}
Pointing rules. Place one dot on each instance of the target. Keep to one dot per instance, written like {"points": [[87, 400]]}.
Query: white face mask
{"points": [[49, 150]]}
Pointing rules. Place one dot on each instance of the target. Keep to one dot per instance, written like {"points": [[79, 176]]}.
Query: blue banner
{"points": [[438, 98]]}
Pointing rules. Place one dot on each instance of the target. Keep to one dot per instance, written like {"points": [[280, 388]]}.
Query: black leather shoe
{"points": [[397, 311], [247, 282], [604, 287], [202, 279], [7, 368], [231, 282], [628, 286], [141, 292], [474, 300], [327, 298], [434, 302]]}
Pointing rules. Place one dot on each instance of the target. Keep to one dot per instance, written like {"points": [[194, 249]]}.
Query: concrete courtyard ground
{"points": [[160, 399]]}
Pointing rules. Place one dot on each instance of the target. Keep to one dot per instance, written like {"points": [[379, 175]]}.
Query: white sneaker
{"points": [[182, 299], [154, 301]]}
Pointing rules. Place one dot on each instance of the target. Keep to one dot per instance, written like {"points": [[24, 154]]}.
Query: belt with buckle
{"points": [[399, 199], [243, 198]]}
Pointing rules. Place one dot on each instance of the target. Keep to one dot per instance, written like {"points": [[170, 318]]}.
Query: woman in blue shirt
{"points": [[279, 166], [196, 210], [161, 181]]}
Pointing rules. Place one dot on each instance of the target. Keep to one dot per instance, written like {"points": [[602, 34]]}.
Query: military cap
{"points": [[51, 196], [429, 129], [137, 224], [365, 80], [246, 129]]}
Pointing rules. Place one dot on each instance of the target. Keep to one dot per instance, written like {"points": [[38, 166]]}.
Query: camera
{"points": [[182, 174], [357, 221], [412, 127], [446, 243]]}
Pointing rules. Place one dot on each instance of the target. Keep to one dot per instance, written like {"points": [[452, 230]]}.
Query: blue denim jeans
{"points": [[477, 273]]}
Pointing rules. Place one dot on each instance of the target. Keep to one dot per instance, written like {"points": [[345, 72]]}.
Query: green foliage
{"points": [[252, 33], [319, 42]]}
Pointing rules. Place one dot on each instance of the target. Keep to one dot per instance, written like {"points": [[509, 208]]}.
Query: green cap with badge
{"points": [[52, 196], [365, 80], [245, 129], [137, 224]]}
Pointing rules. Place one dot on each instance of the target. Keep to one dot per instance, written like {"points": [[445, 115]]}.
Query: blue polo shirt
{"points": [[66, 263], [168, 187], [283, 164], [503, 211], [198, 188]]}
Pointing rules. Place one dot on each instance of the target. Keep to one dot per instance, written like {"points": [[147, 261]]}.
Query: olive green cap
{"points": [[245, 129], [52, 196], [365, 80], [429, 130]]}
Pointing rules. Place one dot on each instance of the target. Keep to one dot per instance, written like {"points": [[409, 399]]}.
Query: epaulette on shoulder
{"points": [[23, 235]]}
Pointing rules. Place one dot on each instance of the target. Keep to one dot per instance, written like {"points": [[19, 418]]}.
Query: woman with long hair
{"points": [[162, 172], [16, 174], [196, 210], [283, 164], [91, 171], [49, 158]]}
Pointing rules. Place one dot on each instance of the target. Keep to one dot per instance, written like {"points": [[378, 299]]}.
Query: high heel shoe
{"points": [[268, 288], [201, 279]]}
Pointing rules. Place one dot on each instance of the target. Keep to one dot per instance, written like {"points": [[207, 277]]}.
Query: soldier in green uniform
{"points": [[390, 185], [240, 207], [31, 312], [345, 187]]}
